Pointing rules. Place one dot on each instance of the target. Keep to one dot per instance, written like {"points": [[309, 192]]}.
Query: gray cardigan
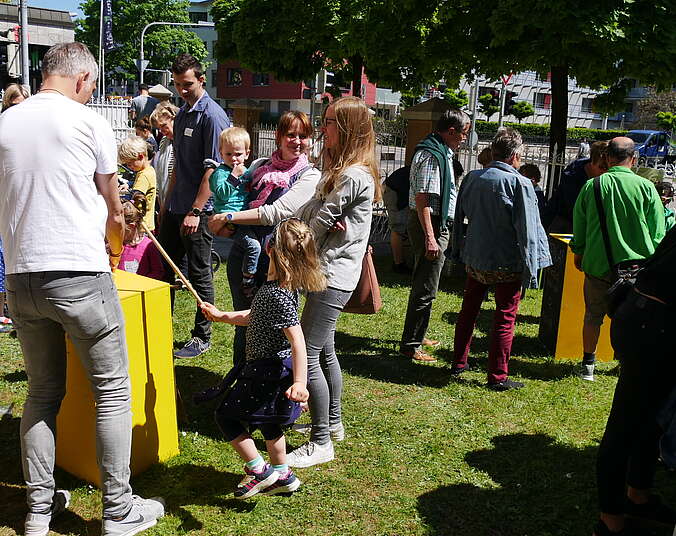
{"points": [[351, 201]]}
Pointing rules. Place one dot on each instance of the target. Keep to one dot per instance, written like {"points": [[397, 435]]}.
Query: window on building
{"points": [[214, 45], [629, 108], [214, 77], [233, 77], [545, 77], [265, 104], [261, 79], [542, 101], [283, 106], [587, 105], [198, 16]]}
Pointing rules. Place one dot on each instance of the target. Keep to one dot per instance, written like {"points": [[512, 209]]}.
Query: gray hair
{"points": [[69, 59], [453, 118], [506, 144]]}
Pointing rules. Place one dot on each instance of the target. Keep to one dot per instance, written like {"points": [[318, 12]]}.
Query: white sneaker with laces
{"points": [[310, 454], [587, 373], [38, 524], [144, 514]]}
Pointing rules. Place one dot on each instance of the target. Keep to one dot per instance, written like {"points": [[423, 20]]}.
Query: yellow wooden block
{"points": [[147, 311], [571, 315]]}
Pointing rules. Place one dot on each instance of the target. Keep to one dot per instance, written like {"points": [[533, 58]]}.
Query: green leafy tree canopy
{"points": [[522, 109], [161, 43], [457, 98], [489, 105], [666, 121]]}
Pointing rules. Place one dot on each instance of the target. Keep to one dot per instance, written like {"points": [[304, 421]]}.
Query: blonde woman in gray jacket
{"points": [[339, 214]]}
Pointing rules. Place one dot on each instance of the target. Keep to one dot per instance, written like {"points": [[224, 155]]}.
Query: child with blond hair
{"points": [[133, 153]]}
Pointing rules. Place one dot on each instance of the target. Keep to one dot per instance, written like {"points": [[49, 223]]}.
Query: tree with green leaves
{"points": [[666, 121], [161, 43], [489, 105], [522, 109], [599, 44], [457, 98]]}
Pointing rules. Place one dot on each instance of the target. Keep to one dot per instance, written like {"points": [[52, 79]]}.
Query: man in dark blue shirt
{"points": [[557, 216], [183, 229]]}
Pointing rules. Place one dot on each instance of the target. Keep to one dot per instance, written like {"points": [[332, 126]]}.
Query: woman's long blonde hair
{"points": [[293, 252], [356, 144]]}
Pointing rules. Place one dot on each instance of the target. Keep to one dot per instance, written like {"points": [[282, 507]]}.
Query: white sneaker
{"points": [[587, 373], [336, 431], [144, 514], [38, 524], [310, 454]]}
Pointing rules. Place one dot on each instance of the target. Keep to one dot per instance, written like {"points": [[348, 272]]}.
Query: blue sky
{"points": [[63, 5]]}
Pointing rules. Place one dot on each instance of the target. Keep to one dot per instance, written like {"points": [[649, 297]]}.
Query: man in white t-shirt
{"points": [[59, 201]]}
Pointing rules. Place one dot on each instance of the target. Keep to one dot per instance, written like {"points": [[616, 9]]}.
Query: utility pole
{"points": [[23, 21]]}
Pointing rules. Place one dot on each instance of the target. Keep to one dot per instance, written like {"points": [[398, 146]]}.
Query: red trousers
{"points": [[507, 296]]}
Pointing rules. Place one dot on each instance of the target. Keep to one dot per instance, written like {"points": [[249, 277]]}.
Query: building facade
{"points": [[46, 27]]}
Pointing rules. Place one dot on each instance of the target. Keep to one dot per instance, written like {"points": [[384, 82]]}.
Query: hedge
{"points": [[487, 130]]}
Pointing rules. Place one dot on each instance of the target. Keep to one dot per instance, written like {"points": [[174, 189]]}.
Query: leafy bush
{"points": [[487, 130]]}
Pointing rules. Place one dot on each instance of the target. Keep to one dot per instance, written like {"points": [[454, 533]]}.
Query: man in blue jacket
{"points": [[504, 247]]}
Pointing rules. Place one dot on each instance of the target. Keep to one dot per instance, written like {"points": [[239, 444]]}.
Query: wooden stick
{"points": [[175, 268]]}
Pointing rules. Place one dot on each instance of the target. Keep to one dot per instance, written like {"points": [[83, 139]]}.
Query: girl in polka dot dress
{"points": [[272, 381]]}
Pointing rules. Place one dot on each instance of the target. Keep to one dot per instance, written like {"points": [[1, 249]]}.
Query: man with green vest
{"points": [[634, 218], [432, 207]]}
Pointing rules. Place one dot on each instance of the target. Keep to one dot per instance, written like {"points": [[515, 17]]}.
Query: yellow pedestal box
{"points": [[147, 311], [563, 306]]}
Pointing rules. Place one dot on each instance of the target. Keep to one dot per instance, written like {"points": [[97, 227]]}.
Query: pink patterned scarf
{"points": [[276, 174]]}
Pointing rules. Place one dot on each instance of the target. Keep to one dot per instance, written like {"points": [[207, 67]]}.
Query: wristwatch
{"points": [[195, 211], [228, 216]]}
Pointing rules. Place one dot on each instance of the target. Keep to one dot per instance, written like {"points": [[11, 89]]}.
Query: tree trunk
{"points": [[558, 126], [357, 63]]}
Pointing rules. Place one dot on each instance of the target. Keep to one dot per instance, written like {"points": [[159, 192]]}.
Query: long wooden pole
{"points": [[175, 268]]}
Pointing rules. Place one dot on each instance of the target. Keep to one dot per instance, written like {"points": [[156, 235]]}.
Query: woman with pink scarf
{"points": [[280, 185]]}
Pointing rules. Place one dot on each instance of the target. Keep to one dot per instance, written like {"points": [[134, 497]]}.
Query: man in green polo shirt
{"points": [[635, 222]]}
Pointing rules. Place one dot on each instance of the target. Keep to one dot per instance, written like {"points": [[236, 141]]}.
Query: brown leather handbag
{"points": [[365, 299]]}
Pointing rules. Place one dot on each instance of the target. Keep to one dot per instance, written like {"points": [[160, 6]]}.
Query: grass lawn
{"points": [[424, 453]]}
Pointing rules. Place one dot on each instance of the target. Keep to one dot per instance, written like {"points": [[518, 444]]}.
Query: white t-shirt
{"points": [[52, 217]]}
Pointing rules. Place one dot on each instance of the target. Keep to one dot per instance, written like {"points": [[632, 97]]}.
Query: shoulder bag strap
{"points": [[602, 221]]}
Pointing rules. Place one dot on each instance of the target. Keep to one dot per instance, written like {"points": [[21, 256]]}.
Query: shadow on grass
{"points": [[200, 417], [186, 485], [379, 359], [16, 376], [542, 487]]}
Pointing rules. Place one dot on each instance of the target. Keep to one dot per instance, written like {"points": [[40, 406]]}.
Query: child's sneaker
{"points": [[38, 524], [254, 482], [144, 514], [287, 483]]}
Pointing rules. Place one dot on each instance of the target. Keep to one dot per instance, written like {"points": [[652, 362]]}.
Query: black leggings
{"points": [[629, 448], [233, 429]]}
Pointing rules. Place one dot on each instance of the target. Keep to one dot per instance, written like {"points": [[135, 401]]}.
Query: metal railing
{"points": [[116, 112]]}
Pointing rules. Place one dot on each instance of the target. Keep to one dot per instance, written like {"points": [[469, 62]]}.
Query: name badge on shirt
{"points": [[188, 132]]}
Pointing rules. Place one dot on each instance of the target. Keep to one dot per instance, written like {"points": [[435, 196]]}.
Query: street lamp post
{"points": [[203, 24]]}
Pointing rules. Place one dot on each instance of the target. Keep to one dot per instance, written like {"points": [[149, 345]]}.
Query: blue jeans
{"points": [[45, 307], [248, 239]]}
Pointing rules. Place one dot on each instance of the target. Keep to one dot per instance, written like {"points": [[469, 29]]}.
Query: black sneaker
{"points": [[505, 385], [457, 371], [652, 512], [192, 348]]}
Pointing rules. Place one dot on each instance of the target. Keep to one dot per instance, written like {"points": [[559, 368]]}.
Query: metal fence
{"points": [[391, 155], [116, 112]]}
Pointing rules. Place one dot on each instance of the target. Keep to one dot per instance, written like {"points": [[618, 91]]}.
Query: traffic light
{"points": [[509, 102]]}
